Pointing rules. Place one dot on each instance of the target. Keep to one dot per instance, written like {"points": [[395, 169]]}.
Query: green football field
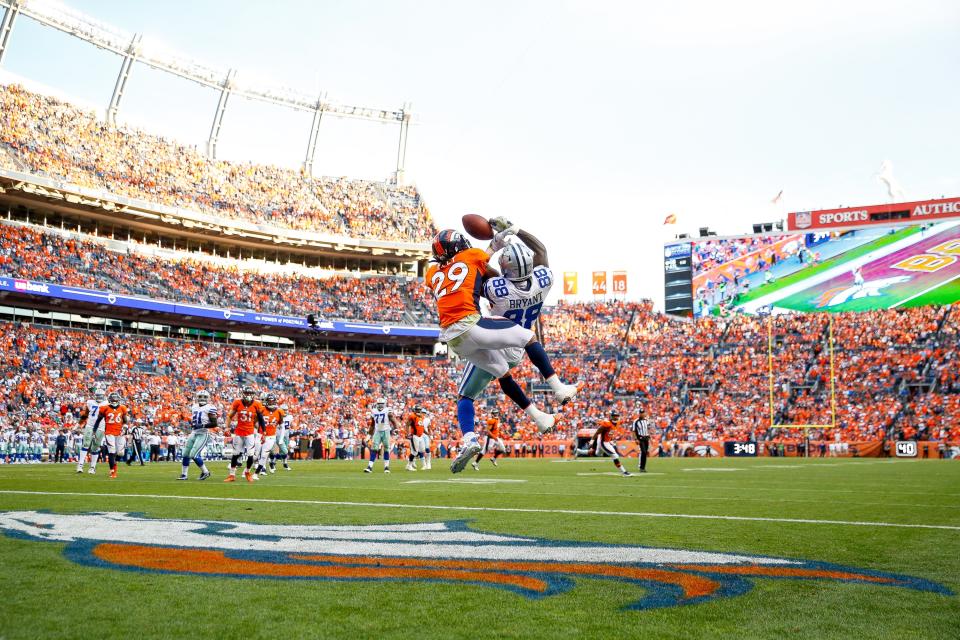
{"points": [[825, 548]]}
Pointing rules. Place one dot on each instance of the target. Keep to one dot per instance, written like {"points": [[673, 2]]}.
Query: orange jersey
{"points": [[603, 428], [457, 285], [272, 420], [493, 427], [246, 416], [415, 425], [112, 419]]}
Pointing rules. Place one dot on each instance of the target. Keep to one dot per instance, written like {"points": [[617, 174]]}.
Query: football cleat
{"points": [[545, 421], [626, 474], [476, 467], [466, 454], [493, 461], [273, 469], [113, 474], [565, 393], [204, 475], [386, 470], [231, 478], [182, 477], [93, 470], [79, 470], [367, 470], [287, 467]]}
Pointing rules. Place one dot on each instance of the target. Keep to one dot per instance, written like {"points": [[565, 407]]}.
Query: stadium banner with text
{"points": [[619, 283], [879, 214], [599, 283], [569, 283], [45, 289], [855, 270]]}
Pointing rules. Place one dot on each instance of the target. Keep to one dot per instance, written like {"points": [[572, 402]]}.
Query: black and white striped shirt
{"points": [[642, 427], [137, 433]]}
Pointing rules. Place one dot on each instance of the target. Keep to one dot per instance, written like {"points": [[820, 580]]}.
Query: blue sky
{"points": [[586, 122]]}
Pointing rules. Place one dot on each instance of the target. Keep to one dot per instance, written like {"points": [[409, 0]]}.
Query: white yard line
{"points": [[917, 295], [438, 507]]}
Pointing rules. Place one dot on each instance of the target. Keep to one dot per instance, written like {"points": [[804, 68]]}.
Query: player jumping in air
{"points": [[457, 278], [602, 442], [113, 415], [203, 416], [382, 421], [249, 413], [92, 438]]}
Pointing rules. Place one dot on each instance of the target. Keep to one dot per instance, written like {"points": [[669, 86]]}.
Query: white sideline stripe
{"points": [[617, 473], [718, 469], [576, 512], [927, 290], [466, 481]]}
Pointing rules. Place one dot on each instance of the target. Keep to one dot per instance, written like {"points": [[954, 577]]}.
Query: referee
{"points": [[136, 452], [641, 429]]}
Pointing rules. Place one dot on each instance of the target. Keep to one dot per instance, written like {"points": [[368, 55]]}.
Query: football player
{"points": [[283, 442], [601, 443], [249, 414], [415, 436], [456, 278], [92, 439], [382, 421], [272, 420], [203, 416], [114, 417], [427, 441], [493, 442]]}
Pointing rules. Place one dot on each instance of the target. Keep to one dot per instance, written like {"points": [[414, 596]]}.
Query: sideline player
{"points": [[203, 416], [427, 442], [283, 442], [457, 278], [114, 417], [249, 413], [92, 439], [602, 444], [272, 420], [415, 436], [382, 421], [493, 442]]}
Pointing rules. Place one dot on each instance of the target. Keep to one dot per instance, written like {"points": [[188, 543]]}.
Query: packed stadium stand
{"points": [[889, 373], [55, 139]]}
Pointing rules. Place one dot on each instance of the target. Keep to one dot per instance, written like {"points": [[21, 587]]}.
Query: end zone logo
{"points": [[448, 552]]}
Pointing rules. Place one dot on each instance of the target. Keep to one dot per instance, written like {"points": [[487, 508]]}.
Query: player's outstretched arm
{"points": [[539, 250]]}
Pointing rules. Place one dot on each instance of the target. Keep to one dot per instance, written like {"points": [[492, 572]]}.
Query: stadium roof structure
{"points": [[132, 47]]}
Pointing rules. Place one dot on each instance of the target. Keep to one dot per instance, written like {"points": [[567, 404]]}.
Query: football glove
{"points": [[501, 240], [501, 224]]}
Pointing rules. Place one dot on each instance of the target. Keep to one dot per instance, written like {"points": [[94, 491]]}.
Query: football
{"points": [[477, 226]]}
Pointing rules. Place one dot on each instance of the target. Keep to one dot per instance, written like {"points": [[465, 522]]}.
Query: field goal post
{"points": [[833, 388]]}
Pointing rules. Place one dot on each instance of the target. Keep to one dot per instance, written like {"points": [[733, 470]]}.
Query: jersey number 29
{"points": [[457, 272]]}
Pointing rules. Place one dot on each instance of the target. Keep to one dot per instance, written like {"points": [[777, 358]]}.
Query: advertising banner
{"points": [[879, 214]]}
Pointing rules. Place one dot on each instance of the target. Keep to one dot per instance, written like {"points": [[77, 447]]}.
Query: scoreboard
{"points": [[678, 279]]}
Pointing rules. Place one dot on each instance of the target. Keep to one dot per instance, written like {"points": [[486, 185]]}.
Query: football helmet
{"points": [[447, 244], [100, 396], [380, 404], [248, 394], [203, 397], [114, 399], [495, 412], [272, 401], [614, 415], [516, 261]]}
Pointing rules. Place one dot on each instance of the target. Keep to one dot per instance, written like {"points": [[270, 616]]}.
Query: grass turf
{"points": [[47, 595]]}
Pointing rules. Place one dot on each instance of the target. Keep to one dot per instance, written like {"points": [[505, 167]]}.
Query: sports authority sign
{"points": [[434, 551], [878, 214]]}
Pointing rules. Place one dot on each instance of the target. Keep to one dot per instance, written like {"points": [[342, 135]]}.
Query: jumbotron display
{"points": [[876, 267]]}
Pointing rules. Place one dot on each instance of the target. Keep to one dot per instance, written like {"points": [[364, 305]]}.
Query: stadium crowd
{"points": [[66, 143], [31, 253]]}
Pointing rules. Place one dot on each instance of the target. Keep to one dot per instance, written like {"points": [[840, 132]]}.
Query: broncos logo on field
{"points": [[434, 551]]}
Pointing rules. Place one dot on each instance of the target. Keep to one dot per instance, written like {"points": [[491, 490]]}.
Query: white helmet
{"points": [[203, 397], [380, 404], [516, 261]]}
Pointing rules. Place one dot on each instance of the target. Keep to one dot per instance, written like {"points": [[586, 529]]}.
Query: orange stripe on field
{"points": [[215, 562], [693, 586], [788, 572]]}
